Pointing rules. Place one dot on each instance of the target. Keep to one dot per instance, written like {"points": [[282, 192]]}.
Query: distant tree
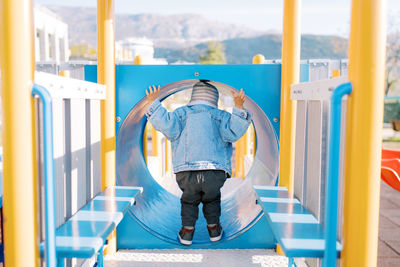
{"points": [[83, 51], [392, 54], [215, 54]]}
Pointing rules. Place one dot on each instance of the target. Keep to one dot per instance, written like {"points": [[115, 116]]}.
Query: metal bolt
{"points": [[196, 74], [276, 119], [118, 119]]}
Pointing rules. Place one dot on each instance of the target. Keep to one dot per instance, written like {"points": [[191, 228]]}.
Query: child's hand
{"points": [[152, 94], [239, 99]]}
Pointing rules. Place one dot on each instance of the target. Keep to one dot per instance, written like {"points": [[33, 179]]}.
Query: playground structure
{"points": [[117, 114], [391, 168]]}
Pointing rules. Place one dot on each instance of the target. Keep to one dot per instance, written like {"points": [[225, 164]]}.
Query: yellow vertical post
{"points": [[106, 76], [154, 142], [252, 141], [20, 191], [65, 73], [238, 157], [242, 153], [239, 153], [290, 75], [363, 146], [167, 154], [138, 60], [145, 142], [335, 73], [245, 146], [258, 59]]}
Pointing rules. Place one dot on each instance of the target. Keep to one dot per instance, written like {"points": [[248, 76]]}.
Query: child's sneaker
{"points": [[185, 236], [215, 232]]}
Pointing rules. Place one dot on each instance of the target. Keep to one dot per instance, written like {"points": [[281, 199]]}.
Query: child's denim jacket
{"points": [[201, 136]]}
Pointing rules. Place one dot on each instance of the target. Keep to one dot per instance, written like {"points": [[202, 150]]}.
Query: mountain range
{"points": [[184, 37], [164, 31]]}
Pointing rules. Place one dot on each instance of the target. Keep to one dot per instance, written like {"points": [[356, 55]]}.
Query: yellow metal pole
{"points": [[167, 154], [138, 60], [145, 142], [245, 150], [363, 148], [238, 152], [154, 142], [353, 44], [17, 68], [253, 139], [258, 59], [65, 73], [335, 73], [290, 75], [241, 154], [106, 76]]}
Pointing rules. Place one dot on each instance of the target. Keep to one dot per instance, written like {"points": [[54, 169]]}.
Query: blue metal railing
{"points": [[49, 187], [331, 204]]}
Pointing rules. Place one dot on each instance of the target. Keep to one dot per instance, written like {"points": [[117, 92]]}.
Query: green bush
{"points": [[392, 110]]}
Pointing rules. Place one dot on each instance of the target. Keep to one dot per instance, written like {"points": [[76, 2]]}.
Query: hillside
{"points": [[165, 31], [242, 50], [184, 37]]}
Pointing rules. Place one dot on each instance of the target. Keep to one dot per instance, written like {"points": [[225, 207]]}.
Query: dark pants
{"points": [[200, 186]]}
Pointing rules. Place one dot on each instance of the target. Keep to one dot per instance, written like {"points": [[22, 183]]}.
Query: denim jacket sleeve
{"points": [[166, 122], [233, 126]]}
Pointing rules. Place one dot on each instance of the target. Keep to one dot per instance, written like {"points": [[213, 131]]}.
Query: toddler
{"points": [[201, 138]]}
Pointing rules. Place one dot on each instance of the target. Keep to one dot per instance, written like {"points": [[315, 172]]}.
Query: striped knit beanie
{"points": [[204, 93]]}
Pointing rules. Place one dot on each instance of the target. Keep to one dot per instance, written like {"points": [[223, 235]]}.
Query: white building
{"points": [[128, 49], [51, 36]]}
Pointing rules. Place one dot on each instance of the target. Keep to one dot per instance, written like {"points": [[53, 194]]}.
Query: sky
{"points": [[330, 17]]}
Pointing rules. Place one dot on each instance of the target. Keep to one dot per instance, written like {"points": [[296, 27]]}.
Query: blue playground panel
{"points": [[261, 84]]}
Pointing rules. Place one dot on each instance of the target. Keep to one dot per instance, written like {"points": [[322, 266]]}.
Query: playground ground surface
{"points": [[389, 222], [389, 227]]}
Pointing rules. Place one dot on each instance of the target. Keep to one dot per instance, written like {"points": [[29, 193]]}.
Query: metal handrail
{"points": [[331, 204], [49, 186]]}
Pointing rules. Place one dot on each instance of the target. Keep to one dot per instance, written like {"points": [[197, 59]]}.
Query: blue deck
{"points": [[84, 234], [297, 231]]}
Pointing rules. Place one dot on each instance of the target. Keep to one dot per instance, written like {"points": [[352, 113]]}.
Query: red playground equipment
{"points": [[390, 168]]}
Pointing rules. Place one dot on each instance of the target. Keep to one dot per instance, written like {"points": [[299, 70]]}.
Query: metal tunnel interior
{"points": [[158, 210]]}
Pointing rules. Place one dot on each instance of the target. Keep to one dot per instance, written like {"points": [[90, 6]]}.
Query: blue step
{"points": [[84, 234], [296, 230]]}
